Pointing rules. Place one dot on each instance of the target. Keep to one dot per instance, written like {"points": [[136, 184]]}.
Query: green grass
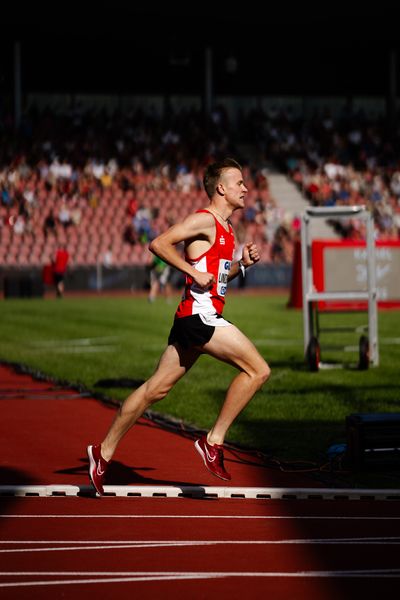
{"points": [[296, 416]]}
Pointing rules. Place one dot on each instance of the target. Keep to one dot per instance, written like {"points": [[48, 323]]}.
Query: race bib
{"points": [[223, 272]]}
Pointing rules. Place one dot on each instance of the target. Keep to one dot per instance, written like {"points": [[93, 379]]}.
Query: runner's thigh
{"points": [[230, 345], [174, 363]]}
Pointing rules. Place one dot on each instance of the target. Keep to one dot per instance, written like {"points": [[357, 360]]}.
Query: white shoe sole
{"points": [[92, 467]]}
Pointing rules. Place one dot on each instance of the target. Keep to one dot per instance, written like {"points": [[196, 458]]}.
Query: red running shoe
{"points": [[97, 468], [213, 457]]}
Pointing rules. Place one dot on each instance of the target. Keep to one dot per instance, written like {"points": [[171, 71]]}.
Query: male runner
{"points": [[199, 327]]}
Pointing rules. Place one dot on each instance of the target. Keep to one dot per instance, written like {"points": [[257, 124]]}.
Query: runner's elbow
{"points": [[153, 246], [157, 247]]}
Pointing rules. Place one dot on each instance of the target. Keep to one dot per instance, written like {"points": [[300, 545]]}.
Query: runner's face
{"points": [[233, 187]]}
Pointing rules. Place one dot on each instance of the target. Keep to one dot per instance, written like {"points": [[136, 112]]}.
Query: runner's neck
{"points": [[214, 211]]}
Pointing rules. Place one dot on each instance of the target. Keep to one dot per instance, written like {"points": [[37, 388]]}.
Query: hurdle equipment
{"points": [[368, 345]]}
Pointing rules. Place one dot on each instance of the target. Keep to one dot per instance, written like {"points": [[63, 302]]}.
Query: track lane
{"points": [[292, 549]]}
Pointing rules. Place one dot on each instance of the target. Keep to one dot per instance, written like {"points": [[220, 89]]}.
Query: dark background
{"points": [[129, 47]]}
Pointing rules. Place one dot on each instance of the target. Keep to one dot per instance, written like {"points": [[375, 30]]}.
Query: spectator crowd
{"points": [[105, 184], [344, 159]]}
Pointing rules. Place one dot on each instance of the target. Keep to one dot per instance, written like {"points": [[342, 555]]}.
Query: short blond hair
{"points": [[213, 172]]}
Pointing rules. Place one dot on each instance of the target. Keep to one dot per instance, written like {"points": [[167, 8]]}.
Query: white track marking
{"points": [[390, 341], [79, 349], [198, 491], [263, 517], [112, 545], [126, 577], [394, 341], [277, 342], [185, 573], [100, 344], [161, 577], [339, 540], [75, 342]]}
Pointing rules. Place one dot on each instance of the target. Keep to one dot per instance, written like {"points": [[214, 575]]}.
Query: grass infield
{"points": [[296, 417]]}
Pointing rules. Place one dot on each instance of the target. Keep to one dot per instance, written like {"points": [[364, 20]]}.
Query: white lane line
{"points": [[74, 342], [88, 573], [263, 517], [389, 341], [339, 540], [189, 573], [113, 545], [371, 539], [101, 547], [174, 576], [278, 342], [395, 341], [82, 349], [79, 345]]}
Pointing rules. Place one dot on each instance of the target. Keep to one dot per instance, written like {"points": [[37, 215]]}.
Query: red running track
{"points": [[115, 547], [44, 431], [167, 548]]}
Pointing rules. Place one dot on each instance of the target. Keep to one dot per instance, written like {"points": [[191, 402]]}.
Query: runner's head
{"points": [[213, 173]]}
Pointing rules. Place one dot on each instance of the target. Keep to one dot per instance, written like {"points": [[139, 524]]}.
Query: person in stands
{"points": [[60, 268]]}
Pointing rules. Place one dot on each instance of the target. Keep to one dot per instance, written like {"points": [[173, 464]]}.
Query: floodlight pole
{"points": [[17, 84], [208, 82]]}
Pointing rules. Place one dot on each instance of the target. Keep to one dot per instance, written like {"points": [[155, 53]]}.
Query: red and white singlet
{"points": [[217, 260]]}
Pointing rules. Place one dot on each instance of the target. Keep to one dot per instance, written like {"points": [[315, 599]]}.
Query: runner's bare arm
{"points": [[198, 227], [250, 256]]}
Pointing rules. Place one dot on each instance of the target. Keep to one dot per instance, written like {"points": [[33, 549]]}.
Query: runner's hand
{"points": [[250, 254], [204, 280]]}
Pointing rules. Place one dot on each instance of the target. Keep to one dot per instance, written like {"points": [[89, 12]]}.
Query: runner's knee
{"points": [[262, 374]]}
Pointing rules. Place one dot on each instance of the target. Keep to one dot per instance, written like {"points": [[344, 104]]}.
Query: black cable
{"points": [[44, 397]]}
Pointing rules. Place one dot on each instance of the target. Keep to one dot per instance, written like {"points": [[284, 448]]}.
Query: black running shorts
{"points": [[58, 277], [190, 331]]}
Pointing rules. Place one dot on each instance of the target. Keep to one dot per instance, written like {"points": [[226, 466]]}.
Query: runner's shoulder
{"points": [[200, 220]]}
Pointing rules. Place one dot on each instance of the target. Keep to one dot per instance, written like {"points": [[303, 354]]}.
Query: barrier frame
{"points": [[311, 297]]}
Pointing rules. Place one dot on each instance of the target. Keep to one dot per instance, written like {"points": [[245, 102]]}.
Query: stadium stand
{"points": [[342, 159], [106, 183], [66, 181]]}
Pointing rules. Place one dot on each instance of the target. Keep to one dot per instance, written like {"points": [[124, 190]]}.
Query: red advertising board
{"points": [[341, 266]]}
